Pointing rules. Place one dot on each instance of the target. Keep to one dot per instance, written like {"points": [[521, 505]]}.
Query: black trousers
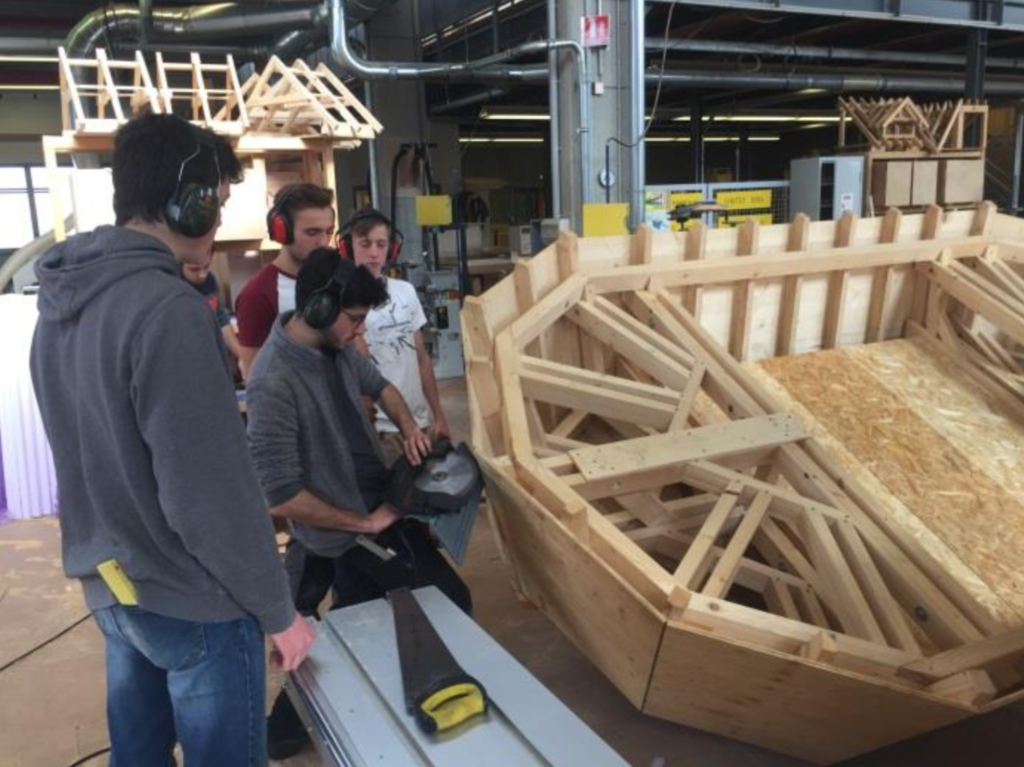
{"points": [[359, 575]]}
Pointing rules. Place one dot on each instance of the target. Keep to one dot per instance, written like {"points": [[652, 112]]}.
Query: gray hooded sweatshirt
{"points": [[152, 464]]}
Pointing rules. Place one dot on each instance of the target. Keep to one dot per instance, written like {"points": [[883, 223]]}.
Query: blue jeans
{"points": [[199, 684]]}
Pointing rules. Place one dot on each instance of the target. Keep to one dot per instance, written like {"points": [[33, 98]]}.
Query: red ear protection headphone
{"points": [[369, 214], [280, 227]]}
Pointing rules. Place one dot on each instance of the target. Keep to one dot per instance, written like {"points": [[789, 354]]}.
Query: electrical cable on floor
{"points": [[87, 757], [43, 644]]}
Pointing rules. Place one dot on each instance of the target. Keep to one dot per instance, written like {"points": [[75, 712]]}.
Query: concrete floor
{"points": [[52, 710]]}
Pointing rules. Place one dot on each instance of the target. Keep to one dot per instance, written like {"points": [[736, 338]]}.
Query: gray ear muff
{"points": [[322, 309]]}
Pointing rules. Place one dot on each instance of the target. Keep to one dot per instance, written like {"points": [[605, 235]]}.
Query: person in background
{"points": [[202, 279], [161, 515], [301, 219], [394, 336]]}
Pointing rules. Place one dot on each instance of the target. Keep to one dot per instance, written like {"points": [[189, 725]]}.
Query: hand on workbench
{"points": [[416, 445], [291, 645], [382, 518]]}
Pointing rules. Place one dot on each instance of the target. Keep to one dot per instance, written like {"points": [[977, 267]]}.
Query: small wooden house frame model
{"points": [[703, 535], [283, 111]]}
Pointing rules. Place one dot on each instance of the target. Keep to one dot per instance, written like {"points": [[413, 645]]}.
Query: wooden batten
{"points": [[607, 374]]}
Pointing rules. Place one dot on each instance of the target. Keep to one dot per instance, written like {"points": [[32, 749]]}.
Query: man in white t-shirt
{"points": [[394, 334]]}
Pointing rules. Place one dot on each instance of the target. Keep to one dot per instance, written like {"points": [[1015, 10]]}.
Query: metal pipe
{"points": [[419, 70], [487, 68], [479, 97], [1018, 148], [637, 113], [826, 52], [26, 46], [553, 111], [197, 22], [828, 82]]}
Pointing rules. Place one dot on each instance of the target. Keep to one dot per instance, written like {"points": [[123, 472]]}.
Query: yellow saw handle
{"points": [[451, 706]]}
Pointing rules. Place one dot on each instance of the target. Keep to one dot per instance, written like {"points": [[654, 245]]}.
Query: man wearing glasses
{"points": [[318, 458]]}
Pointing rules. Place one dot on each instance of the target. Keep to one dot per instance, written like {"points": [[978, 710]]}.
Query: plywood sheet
{"points": [[939, 480], [782, 702], [608, 621]]}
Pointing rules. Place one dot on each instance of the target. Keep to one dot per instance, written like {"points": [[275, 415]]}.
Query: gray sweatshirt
{"points": [[295, 434], [149, 449]]}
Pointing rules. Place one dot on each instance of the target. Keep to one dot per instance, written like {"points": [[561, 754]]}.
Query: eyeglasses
{"points": [[355, 319]]}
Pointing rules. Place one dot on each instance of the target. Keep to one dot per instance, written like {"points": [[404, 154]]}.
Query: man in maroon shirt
{"points": [[301, 220]]}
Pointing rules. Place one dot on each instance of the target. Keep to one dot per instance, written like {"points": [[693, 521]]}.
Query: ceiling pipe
{"points": [[480, 97], [478, 71], [189, 23], [826, 52], [841, 83], [29, 46], [489, 68]]}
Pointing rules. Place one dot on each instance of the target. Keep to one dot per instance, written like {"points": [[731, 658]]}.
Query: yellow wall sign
{"points": [[736, 219], [745, 199], [603, 219], [434, 210]]}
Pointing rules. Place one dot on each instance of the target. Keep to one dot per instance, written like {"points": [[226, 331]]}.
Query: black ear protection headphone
{"points": [[324, 305], [395, 238], [194, 207], [280, 227]]}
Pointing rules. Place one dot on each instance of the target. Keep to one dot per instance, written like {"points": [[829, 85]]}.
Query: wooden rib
{"points": [[882, 278], [696, 241], [931, 223], [836, 300], [887, 609], [743, 293], [688, 396], [722, 576], [848, 600], [695, 562], [637, 349], [999, 308], [789, 306], [974, 655], [642, 245], [779, 599]]}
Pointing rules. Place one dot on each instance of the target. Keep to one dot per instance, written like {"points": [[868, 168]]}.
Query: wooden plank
{"points": [[882, 278], [637, 349], [724, 270], [849, 601], [887, 610], [722, 577], [979, 654], [994, 305], [971, 688], [696, 242], [649, 454], [557, 302], [688, 396], [743, 293], [836, 299], [642, 245], [780, 600], [568, 250], [695, 562], [822, 648], [931, 223], [599, 397], [789, 303]]}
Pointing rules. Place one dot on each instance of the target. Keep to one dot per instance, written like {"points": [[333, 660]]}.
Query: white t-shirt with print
{"points": [[390, 334]]}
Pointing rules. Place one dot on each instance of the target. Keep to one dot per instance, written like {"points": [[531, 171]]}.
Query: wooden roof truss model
{"points": [[901, 125], [692, 537]]}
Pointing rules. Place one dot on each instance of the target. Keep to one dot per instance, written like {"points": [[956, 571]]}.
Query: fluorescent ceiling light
{"points": [[22, 87], [501, 140], [489, 115], [28, 59], [752, 118], [684, 139]]}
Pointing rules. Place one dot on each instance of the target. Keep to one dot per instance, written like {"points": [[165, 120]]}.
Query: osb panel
{"points": [[944, 395], [978, 519], [893, 507], [811, 711], [604, 617]]}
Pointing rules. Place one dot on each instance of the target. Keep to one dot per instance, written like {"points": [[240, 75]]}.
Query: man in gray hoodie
{"points": [[154, 475]]}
